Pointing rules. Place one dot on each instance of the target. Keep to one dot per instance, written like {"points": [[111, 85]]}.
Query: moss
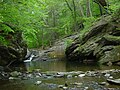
{"points": [[112, 56], [113, 39]]}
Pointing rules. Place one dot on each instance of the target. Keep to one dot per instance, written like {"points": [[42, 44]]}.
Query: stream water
{"points": [[51, 83]]}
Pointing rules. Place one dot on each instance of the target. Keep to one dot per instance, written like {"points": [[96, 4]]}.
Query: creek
{"points": [[56, 73], [49, 82]]}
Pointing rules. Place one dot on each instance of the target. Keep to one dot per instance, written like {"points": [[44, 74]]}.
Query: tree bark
{"points": [[81, 11], [88, 9]]}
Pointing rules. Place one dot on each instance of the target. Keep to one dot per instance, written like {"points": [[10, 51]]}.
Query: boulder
{"points": [[115, 81], [101, 43]]}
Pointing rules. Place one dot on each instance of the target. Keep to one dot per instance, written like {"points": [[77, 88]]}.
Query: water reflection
{"points": [[51, 84], [63, 65], [47, 65]]}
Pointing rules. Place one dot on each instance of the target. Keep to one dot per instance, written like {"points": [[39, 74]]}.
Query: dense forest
{"points": [[42, 22], [59, 44]]}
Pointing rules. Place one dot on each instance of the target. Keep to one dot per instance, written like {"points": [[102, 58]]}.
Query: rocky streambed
{"points": [[53, 79]]}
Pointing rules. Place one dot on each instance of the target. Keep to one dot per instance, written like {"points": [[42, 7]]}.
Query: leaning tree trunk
{"points": [[81, 11], [88, 9]]}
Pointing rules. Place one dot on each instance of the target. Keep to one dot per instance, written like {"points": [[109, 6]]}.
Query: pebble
{"points": [[76, 76], [60, 86], [38, 82], [78, 84], [111, 77], [107, 75], [86, 88], [104, 83], [65, 88], [11, 78], [81, 75]]}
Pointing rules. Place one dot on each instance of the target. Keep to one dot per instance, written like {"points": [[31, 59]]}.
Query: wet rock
{"points": [[4, 75], [13, 78], [107, 75], [69, 76], [118, 63], [59, 76], [115, 81], [61, 73], [76, 76], [111, 77], [78, 84], [91, 73], [30, 76], [38, 82], [86, 88], [81, 75], [104, 83], [15, 74], [65, 88], [37, 74], [60, 86]]}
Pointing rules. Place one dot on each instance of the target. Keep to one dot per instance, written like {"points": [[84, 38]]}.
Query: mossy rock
{"points": [[12, 46], [111, 56], [101, 42]]}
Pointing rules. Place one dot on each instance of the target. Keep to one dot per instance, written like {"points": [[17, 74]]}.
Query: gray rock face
{"points": [[100, 43]]}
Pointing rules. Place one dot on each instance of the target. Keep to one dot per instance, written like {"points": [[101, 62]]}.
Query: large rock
{"points": [[15, 51], [101, 42]]}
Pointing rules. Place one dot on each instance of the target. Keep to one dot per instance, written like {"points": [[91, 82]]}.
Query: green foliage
{"points": [[88, 22], [3, 41], [6, 28], [4, 32], [44, 21], [114, 5], [68, 42]]}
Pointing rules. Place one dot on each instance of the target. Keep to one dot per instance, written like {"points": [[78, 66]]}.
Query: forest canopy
{"points": [[43, 21]]}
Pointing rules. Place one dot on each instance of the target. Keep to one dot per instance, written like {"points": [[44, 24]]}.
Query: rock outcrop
{"points": [[15, 49], [101, 42]]}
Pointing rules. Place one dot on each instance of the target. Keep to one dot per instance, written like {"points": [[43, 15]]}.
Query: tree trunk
{"points": [[88, 9], [102, 6], [74, 17], [81, 11]]}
